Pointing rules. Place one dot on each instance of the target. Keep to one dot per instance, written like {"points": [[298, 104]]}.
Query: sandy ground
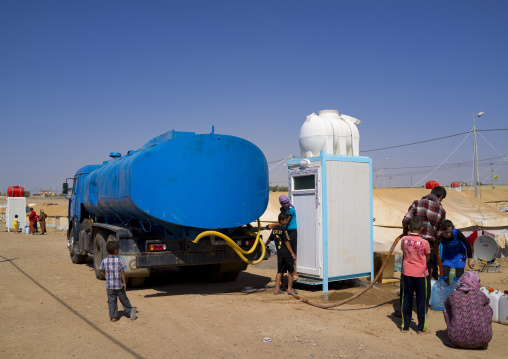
{"points": [[52, 308]]}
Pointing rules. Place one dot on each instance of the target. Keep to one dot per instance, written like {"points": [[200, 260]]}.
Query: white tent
{"points": [[467, 214], [391, 204]]}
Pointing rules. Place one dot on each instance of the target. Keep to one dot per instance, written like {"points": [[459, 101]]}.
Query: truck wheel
{"points": [[75, 258], [230, 276], [99, 253]]}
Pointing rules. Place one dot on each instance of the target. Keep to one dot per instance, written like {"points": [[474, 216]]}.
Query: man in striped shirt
{"points": [[113, 268]]}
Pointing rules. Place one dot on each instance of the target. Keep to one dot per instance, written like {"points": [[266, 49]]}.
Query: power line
{"points": [[282, 159], [450, 165], [416, 173], [442, 168], [416, 143], [434, 139]]}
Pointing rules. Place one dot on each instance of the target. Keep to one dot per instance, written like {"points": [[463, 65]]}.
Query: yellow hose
{"points": [[235, 246]]}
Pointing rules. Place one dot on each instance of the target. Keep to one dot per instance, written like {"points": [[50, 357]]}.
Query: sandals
{"points": [[293, 292], [281, 292], [114, 319]]}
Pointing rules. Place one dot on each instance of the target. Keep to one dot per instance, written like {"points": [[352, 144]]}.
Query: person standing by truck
{"points": [[285, 254], [42, 221], [287, 207], [113, 269]]}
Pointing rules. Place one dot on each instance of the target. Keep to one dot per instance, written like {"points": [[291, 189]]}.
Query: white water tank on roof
{"points": [[330, 132]]}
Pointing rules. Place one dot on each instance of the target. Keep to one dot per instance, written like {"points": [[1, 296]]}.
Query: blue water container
{"points": [[439, 294], [452, 286]]}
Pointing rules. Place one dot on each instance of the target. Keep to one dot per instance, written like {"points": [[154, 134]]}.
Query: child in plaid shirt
{"points": [[112, 267]]}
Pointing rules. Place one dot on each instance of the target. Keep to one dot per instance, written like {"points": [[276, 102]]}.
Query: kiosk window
{"points": [[304, 182]]}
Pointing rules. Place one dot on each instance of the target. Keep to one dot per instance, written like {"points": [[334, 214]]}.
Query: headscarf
{"points": [[468, 281], [284, 202]]}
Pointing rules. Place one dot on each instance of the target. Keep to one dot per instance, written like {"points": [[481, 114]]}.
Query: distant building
{"points": [[45, 193]]}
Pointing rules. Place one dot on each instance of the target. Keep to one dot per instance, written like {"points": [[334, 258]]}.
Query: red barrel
{"points": [[455, 185], [431, 184], [15, 191]]}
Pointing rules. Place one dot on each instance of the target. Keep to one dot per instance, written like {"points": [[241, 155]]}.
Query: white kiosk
{"points": [[15, 205], [331, 190]]}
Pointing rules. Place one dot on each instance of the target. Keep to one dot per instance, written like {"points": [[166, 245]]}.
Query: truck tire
{"points": [[99, 253], [76, 258]]}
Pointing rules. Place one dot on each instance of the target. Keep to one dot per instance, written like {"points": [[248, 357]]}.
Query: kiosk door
{"points": [[303, 195]]}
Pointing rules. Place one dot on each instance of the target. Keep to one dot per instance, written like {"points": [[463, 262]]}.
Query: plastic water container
{"points": [[432, 282], [494, 296], [451, 275], [503, 308], [439, 294], [452, 286], [484, 290]]}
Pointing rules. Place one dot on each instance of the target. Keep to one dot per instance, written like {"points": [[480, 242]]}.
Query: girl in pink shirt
{"points": [[414, 267]]}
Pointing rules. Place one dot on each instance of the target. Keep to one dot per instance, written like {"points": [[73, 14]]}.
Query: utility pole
{"points": [[384, 181], [476, 171], [491, 176]]}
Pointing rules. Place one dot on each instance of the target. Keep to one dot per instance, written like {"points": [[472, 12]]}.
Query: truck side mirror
{"points": [[65, 189]]}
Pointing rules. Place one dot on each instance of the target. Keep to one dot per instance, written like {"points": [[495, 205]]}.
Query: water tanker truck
{"points": [[156, 201]]}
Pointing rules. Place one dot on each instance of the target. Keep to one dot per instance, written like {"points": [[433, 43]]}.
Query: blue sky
{"points": [[80, 79]]}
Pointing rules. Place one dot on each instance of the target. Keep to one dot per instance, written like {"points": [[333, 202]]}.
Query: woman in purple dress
{"points": [[468, 314]]}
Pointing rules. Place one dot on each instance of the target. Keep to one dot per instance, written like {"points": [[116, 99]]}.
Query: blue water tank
{"points": [[180, 178]]}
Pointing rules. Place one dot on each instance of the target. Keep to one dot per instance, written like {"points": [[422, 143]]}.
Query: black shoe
{"points": [[397, 314]]}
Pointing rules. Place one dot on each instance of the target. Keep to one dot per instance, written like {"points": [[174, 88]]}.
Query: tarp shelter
{"points": [[391, 204], [466, 213], [489, 195]]}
